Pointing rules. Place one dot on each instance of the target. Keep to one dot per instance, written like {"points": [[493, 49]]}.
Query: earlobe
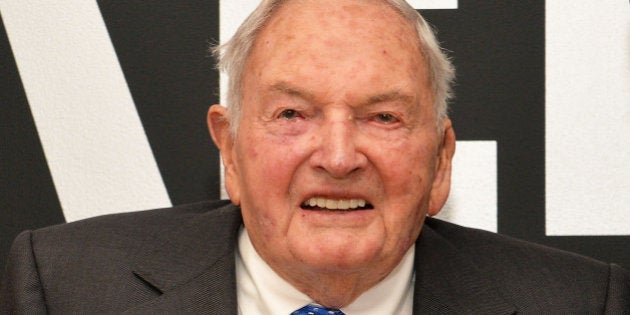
{"points": [[442, 176], [219, 127]]}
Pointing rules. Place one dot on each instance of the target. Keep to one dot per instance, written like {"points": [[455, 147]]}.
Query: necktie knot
{"points": [[313, 309]]}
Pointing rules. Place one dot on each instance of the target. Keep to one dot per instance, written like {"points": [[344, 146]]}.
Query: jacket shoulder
{"points": [[132, 234], [92, 265], [538, 278]]}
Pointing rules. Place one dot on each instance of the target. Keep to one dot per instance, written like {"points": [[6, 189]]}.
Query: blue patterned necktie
{"points": [[312, 309]]}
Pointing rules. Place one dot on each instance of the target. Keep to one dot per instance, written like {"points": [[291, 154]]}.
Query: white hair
{"points": [[232, 56]]}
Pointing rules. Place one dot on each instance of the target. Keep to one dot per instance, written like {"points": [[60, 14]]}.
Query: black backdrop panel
{"points": [[162, 47], [498, 51]]}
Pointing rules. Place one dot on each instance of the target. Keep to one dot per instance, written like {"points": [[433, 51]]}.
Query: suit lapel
{"points": [[194, 268], [211, 292], [448, 283]]}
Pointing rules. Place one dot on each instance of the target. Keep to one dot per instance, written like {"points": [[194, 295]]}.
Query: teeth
{"points": [[332, 204], [321, 202], [343, 204]]}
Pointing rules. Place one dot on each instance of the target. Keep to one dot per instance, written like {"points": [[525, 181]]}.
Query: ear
{"points": [[219, 127], [442, 177]]}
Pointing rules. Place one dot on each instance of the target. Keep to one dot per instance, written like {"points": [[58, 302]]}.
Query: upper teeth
{"points": [[332, 204]]}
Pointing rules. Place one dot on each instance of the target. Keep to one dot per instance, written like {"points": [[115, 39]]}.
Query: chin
{"points": [[340, 255]]}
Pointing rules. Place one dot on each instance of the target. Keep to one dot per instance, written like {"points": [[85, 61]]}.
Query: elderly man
{"points": [[336, 147]]}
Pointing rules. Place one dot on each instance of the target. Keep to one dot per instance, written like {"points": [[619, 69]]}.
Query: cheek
{"points": [[407, 177], [407, 188], [270, 163], [407, 167], [280, 160]]}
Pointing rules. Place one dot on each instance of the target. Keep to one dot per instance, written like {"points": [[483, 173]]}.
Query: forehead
{"points": [[355, 13], [371, 20], [336, 38]]}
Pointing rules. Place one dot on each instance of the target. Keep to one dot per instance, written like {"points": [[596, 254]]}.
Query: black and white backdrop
{"points": [[103, 108]]}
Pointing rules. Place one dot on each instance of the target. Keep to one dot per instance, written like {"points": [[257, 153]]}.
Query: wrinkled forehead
{"points": [[333, 32], [361, 17]]}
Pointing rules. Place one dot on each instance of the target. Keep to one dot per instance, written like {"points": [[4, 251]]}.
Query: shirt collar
{"points": [[261, 291]]}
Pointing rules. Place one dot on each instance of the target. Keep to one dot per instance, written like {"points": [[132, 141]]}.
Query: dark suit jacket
{"points": [[181, 260]]}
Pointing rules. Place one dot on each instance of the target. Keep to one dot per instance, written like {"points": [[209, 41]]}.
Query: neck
{"points": [[334, 290], [337, 288]]}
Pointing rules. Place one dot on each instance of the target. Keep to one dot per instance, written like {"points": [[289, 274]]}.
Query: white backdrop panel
{"points": [[473, 198], [95, 146], [588, 117]]}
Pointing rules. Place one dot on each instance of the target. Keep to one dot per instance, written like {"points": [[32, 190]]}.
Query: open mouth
{"points": [[325, 204]]}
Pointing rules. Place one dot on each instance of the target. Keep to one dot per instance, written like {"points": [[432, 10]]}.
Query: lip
{"points": [[338, 219]]}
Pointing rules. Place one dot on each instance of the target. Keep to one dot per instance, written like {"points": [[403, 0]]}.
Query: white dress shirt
{"points": [[260, 291]]}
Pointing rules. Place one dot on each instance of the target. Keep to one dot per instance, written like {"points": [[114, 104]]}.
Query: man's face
{"points": [[337, 158]]}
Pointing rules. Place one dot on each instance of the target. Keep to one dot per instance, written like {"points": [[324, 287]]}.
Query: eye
{"points": [[289, 114], [385, 118]]}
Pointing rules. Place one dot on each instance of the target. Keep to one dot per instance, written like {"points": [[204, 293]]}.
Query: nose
{"points": [[337, 153]]}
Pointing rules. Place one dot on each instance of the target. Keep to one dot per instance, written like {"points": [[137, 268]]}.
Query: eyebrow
{"points": [[285, 88], [390, 96]]}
